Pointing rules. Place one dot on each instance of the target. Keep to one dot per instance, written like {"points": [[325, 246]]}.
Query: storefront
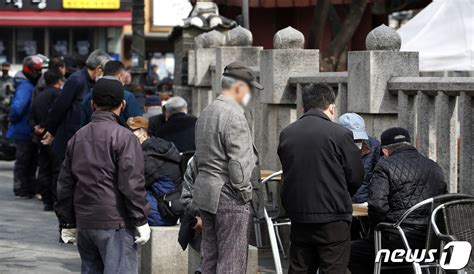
{"points": [[160, 18], [61, 27]]}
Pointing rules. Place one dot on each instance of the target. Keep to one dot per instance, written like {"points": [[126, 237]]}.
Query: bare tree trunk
{"points": [[338, 45], [321, 10]]}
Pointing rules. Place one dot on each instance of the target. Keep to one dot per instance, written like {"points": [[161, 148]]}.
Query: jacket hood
{"points": [[20, 76], [157, 147]]}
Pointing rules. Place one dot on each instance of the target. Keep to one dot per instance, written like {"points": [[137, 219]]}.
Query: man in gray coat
{"points": [[225, 159]]}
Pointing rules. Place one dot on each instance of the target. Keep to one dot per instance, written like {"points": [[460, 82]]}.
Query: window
{"points": [[83, 42], [28, 42], [6, 45], [58, 42]]}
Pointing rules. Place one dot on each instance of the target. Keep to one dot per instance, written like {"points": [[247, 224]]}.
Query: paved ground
{"points": [[28, 236]]}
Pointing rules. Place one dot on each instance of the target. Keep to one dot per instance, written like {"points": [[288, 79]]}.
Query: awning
{"points": [[443, 35], [65, 18]]}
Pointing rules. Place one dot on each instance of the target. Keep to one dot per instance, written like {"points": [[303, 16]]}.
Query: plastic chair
{"points": [[431, 241], [274, 218], [457, 220]]}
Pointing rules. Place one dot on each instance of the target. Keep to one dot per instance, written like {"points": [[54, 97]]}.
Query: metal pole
{"points": [[245, 13], [138, 42]]}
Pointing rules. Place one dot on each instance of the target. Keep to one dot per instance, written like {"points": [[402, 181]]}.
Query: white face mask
{"points": [[359, 145], [246, 99]]}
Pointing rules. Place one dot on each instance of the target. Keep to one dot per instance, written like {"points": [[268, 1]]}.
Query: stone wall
{"points": [[382, 84]]}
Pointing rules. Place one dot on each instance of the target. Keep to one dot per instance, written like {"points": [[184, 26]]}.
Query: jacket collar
{"points": [[176, 115], [104, 116], [231, 102], [408, 148], [317, 113], [87, 77]]}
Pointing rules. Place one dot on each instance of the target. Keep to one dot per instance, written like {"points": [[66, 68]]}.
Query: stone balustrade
{"points": [[337, 80], [382, 84], [438, 112]]}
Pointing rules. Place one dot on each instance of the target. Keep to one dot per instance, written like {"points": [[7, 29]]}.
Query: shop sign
{"points": [[91, 4], [24, 4]]}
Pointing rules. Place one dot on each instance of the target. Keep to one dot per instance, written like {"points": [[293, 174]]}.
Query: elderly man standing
{"points": [[321, 170], [179, 126], [65, 115], [101, 188], [225, 160]]}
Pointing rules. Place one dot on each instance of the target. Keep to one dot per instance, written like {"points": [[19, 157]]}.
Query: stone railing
{"points": [[382, 84], [337, 80], [438, 112]]}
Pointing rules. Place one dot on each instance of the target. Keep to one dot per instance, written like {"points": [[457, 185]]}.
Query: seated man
{"points": [[162, 173], [401, 180], [152, 106], [369, 149], [179, 126]]}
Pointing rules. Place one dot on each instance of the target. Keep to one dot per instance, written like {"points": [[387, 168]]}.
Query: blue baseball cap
{"points": [[153, 100], [356, 124]]}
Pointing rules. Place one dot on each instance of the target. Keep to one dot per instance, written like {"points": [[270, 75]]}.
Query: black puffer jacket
{"points": [[162, 158], [401, 181]]}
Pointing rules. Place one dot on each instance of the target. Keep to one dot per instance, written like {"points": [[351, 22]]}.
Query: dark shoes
{"points": [[48, 207]]}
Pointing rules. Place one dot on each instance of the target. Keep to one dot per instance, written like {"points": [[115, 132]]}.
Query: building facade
{"points": [[61, 27]]}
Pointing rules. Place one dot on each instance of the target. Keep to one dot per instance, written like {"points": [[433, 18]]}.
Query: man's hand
{"points": [[47, 139], [68, 235], [38, 130], [198, 225], [143, 234]]}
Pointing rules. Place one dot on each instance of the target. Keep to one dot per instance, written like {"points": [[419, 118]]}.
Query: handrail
{"points": [[322, 77], [446, 84]]}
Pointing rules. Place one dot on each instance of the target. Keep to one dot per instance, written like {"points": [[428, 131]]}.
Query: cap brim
{"points": [[360, 135], [256, 85]]}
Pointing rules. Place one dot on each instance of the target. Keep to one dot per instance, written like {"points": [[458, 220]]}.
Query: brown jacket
{"points": [[102, 184]]}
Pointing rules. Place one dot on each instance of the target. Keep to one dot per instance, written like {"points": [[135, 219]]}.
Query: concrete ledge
{"points": [[163, 254], [194, 260]]}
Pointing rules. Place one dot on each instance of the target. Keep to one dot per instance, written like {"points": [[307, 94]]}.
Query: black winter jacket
{"points": [[179, 129], [65, 116], [162, 158], [322, 168], [41, 105], [401, 181]]}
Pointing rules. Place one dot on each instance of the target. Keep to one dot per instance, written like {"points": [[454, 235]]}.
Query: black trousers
{"points": [[46, 182], [320, 246], [363, 251], [24, 171]]}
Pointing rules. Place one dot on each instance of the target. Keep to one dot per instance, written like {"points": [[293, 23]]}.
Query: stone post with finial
{"points": [[238, 47], [287, 59], [200, 61], [369, 72]]}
